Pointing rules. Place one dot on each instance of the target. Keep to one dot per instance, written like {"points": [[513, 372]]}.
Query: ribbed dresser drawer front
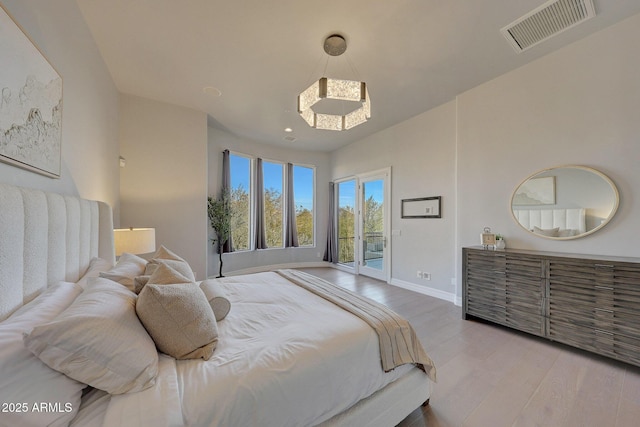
{"points": [[525, 321], [525, 284], [491, 311], [591, 339], [485, 285], [505, 288], [626, 301], [488, 281], [597, 340], [627, 349]]}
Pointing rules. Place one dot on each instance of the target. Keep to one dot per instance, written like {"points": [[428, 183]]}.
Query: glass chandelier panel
{"points": [[343, 90], [347, 90]]}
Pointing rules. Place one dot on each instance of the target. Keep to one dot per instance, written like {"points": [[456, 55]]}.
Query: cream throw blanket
{"points": [[398, 341]]}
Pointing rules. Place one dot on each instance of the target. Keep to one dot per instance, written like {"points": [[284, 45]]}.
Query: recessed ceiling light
{"points": [[288, 130], [210, 90]]}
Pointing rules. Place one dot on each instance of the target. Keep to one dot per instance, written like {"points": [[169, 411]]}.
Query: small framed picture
{"points": [[422, 207]]}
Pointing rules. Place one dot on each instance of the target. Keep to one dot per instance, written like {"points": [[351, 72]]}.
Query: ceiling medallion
{"points": [[336, 89]]}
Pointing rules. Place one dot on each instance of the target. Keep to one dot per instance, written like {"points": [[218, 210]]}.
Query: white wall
{"points": [[164, 183], [421, 152], [220, 140], [579, 105], [90, 103]]}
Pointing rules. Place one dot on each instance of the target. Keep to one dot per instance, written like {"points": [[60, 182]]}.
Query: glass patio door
{"points": [[346, 223], [374, 226]]}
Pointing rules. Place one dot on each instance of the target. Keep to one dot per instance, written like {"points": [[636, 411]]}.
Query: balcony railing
{"points": [[372, 247]]}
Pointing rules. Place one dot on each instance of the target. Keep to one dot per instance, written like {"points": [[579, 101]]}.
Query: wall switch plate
{"points": [[426, 276], [419, 274]]}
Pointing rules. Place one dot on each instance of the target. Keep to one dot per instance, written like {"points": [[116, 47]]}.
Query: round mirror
{"points": [[564, 202]]}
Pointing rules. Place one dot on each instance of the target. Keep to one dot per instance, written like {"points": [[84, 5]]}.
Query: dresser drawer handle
{"points": [[600, 331], [604, 265], [603, 288], [498, 305], [604, 310]]}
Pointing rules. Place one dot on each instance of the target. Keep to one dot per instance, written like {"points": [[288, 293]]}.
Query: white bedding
{"points": [[279, 343]]}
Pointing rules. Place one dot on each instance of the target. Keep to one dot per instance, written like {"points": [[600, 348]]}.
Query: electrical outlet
{"points": [[419, 274], [426, 276]]}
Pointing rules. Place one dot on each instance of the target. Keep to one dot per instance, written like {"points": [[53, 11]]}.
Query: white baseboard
{"points": [[447, 296], [272, 267]]}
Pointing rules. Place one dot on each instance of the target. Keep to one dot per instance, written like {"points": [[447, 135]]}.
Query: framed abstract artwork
{"points": [[30, 103], [536, 191]]}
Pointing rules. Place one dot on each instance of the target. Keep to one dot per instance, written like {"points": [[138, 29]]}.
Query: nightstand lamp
{"points": [[134, 240]]}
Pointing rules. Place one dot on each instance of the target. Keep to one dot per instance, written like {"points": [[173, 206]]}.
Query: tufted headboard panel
{"points": [[46, 238], [564, 219]]}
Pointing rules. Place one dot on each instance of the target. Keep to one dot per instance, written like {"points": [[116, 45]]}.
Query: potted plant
{"points": [[500, 243], [219, 211]]}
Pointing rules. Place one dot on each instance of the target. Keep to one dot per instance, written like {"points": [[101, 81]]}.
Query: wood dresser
{"points": [[586, 301]]}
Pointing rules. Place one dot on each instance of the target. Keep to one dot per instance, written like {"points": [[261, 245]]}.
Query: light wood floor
{"points": [[489, 376]]}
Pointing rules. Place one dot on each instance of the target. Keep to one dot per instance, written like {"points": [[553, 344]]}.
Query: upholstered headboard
{"points": [[46, 238], [563, 219]]}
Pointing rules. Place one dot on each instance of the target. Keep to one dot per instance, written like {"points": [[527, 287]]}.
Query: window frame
{"points": [[285, 184]]}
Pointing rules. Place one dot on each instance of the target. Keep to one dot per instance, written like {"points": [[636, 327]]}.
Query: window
{"points": [[240, 167], [273, 203], [242, 170], [303, 197]]}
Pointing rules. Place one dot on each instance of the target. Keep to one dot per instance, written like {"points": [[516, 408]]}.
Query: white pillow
{"points": [[567, 232], [126, 269], [24, 378], [549, 232], [99, 341], [96, 266]]}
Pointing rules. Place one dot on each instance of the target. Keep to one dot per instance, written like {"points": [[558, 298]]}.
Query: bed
{"points": [[552, 222], [283, 355]]}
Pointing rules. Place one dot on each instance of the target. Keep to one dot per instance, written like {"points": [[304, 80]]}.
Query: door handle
{"points": [[384, 242]]}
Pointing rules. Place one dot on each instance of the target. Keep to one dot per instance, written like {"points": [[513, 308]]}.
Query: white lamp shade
{"points": [[134, 240]]}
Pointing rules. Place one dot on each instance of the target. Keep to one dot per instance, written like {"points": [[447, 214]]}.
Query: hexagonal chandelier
{"points": [[336, 89]]}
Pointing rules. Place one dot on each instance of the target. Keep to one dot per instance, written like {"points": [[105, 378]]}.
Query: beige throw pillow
{"points": [[179, 319], [171, 272], [164, 253], [139, 283], [218, 301]]}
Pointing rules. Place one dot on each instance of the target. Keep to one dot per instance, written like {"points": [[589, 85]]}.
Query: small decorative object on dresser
{"points": [[487, 238], [586, 301]]}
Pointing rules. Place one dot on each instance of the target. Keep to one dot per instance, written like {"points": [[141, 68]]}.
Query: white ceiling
{"points": [[413, 55]]}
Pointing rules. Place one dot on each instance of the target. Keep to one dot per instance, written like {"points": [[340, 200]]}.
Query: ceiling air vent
{"points": [[551, 18]]}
